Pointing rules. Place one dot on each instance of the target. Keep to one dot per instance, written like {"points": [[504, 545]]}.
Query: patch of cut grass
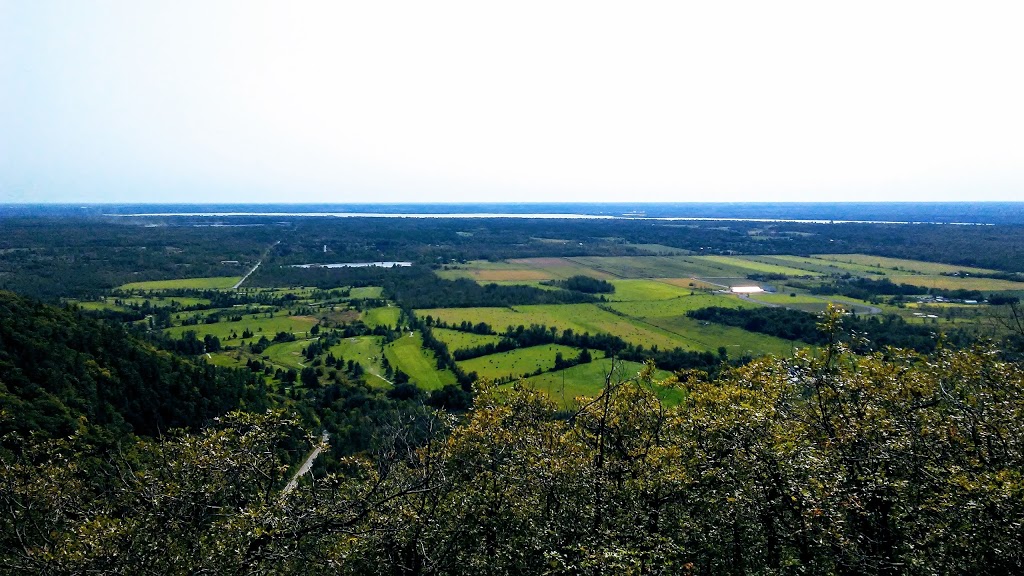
{"points": [[587, 380], [214, 283], [407, 354], [269, 327], [459, 340], [383, 316], [519, 362], [900, 264]]}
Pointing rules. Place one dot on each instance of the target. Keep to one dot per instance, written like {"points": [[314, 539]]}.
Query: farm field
{"points": [[459, 340], [366, 292], [383, 316], [661, 250], [644, 290], [700, 336], [899, 264], [516, 363], [660, 323], [677, 306], [408, 355], [958, 282], [213, 283], [268, 327], [757, 266], [564, 386]]}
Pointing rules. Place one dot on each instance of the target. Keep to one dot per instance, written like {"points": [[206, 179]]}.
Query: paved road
{"points": [[304, 469], [235, 287]]}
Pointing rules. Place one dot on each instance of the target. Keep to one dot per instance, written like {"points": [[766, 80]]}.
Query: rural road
{"points": [[305, 466], [235, 287]]}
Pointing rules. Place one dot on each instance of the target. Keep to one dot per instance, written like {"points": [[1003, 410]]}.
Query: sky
{"points": [[301, 101]]}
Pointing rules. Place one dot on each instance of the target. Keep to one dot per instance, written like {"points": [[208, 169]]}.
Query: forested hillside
{"points": [[61, 371], [894, 463]]}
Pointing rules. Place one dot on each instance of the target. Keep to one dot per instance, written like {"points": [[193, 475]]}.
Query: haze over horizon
{"points": [[107, 101]]}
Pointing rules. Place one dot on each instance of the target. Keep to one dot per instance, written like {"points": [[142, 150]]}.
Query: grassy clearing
{"points": [[756, 266], [697, 335], [661, 250], [560, 268], [287, 354], [677, 266], [958, 283], [785, 299], [690, 283], [564, 386], [230, 359], [268, 327], [458, 340], [407, 354], [677, 306], [516, 363], [363, 350], [900, 264], [643, 290], [384, 316], [214, 283], [660, 323], [367, 292]]}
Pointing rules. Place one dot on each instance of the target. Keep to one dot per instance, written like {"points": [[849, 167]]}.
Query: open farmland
{"points": [[519, 362], [213, 283], [383, 316], [365, 351], [958, 283], [900, 264], [459, 340], [287, 354], [263, 326], [644, 290], [407, 354], [564, 386]]}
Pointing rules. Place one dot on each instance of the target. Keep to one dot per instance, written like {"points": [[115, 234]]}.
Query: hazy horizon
{"points": [[460, 102]]}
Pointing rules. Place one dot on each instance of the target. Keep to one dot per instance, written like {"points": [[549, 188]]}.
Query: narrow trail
{"points": [[304, 469]]}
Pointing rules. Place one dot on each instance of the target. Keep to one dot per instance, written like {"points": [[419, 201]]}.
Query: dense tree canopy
{"points": [[895, 463]]}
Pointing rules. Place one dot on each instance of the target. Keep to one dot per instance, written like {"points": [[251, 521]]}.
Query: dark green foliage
{"points": [[580, 283], [874, 332], [57, 365]]}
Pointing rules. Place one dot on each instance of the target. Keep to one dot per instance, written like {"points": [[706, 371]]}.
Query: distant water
{"points": [[354, 265], [1001, 213], [524, 216]]}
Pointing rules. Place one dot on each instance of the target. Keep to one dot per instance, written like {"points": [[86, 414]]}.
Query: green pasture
{"points": [[367, 292], [756, 266], [587, 380], [459, 340], [678, 266], [383, 316], [900, 264], [661, 249], [363, 350], [407, 354], [958, 283], [298, 325], [644, 323], [677, 306], [696, 335], [643, 290], [214, 283], [516, 363]]}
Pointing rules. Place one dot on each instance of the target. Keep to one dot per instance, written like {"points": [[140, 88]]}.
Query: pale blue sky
{"points": [[252, 101]]}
